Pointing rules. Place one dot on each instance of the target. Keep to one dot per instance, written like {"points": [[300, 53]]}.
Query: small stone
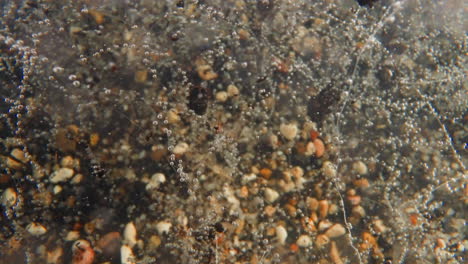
{"points": [[281, 234], [360, 167], [379, 226], [61, 175], [336, 230], [324, 225], [269, 210], [232, 90], [67, 162], [94, 139], [126, 255], [322, 240], [36, 229], [156, 181], [319, 147], [173, 116], [358, 211], [206, 72], [130, 234], [163, 227], [289, 131], [19, 155], [310, 149], [180, 148], [312, 203], [141, 76], [221, 96], [323, 208], [154, 242], [77, 178], [57, 189], [72, 236], [304, 241], [9, 197], [82, 252], [329, 169], [271, 195]]}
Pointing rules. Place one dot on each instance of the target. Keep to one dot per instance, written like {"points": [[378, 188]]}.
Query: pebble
{"points": [[329, 169], [206, 72], [379, 226], [36, 229], [304, 241], [180, 148], [232, 90], [72, 236], [156, 181], [360, 168], [310, 149], [163, 227], [9, 197], [221, 96], [334, 254], [67, 162], [312, 203], [19, 155], [323, 208], [319, 147], [281, 234], [61, 175], [173, 116], [57, 189], [324, 225], [289, 131], [126, 255], [322, 240], [335, 231], [130, 234], [271, 195], [154, 242], [83, 253]]}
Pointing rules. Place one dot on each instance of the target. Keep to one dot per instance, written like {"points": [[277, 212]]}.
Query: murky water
{"points": [[240, 131]]}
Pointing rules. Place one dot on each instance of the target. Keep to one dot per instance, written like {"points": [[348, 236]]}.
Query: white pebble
{"points": [[221, 96], [36, 229], [360, 167], [156, 181], [329, 169], [335, 230], [289, 131], [180, 148], [126, 255], [232, 90], [9, 197], [130, 234], [304, 241], [271, 195], [281, 234], [61, 175], [310, 149], [163, 227]]}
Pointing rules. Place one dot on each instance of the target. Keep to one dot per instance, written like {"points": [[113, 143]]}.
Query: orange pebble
{"points": [[314, 134], [83, 253], [266, 173], [294, 247], [319, 147]]}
